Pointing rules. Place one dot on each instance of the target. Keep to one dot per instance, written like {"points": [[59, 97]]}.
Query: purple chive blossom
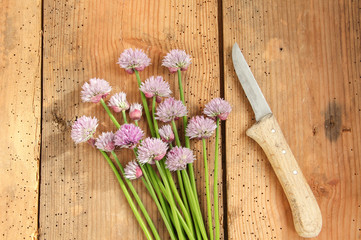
{"points": [[177, 59], [132, 170], [178, 158], [95, 90], [135, 112], [151, 149], [132, 60], [170, 109], [217, 108], [128, 136], [83, 129], [118, 102], [155, 86], [166, 133], [105, 142], [200, 127]]}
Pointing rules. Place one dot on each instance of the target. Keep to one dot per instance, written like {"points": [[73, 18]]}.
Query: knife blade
{"points": [[267, 133], [249, 84]]}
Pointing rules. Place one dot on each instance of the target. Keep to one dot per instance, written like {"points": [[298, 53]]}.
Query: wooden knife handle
{"points": [[305, 210]]}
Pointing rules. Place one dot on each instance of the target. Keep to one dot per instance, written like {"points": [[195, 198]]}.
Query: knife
{"points": [[267, 133]]}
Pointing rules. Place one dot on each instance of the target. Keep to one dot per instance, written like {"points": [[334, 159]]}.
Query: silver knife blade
{"points": [[249, 84]]}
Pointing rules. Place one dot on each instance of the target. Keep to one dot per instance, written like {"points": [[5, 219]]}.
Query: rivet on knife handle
{"points": [[306, 213]]}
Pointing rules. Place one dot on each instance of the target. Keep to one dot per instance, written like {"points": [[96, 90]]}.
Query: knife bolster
{"points": [[305, 210]]}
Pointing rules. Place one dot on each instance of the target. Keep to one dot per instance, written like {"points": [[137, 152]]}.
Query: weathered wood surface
{"points": [[80, 198], [306, 57], [20, 119]]}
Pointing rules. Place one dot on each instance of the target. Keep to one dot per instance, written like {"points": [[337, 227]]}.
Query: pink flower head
{"points": [[132, 60], [95, 90], [217, 108], [166, 133], [155, 86], [135, 112], [200, 127], [177, 59], [128, 136], [83, 129], [178, 158], [151, 149], [105, 142], [132, 170], [118, 102], [170, 109]]}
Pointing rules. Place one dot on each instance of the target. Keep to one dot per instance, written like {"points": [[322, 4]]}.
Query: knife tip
{"points": [[235, 45], [235, 49]]}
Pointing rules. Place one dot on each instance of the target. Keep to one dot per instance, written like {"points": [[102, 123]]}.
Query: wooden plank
{"points": [[20, 117], [80, 198], [305, 56]]}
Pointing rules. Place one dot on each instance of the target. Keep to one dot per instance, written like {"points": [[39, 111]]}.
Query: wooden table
{"points": [[306, 56]]}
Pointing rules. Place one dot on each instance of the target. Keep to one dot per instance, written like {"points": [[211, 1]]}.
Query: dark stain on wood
{"points": [[314, 131], [346, 129], [333, 121], [59, 121]]}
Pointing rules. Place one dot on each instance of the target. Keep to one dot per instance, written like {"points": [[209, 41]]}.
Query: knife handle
{"points": [[305, 210]]}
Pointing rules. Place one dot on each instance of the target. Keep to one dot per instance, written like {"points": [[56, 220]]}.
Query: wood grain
{"points": [[306, 57], [20, 117], [80, 198]]}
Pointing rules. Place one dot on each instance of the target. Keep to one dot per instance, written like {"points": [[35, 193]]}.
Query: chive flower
{"points": [[166, 134], [170, 109], [83, 129], [105, 142], [95, 90], [118, 102], [132, 60], [132, 170], [128, 136], [135, 112], [177, 59], [200, 127], [151, 149], [217, 108], [178, 158], [155, 86]]}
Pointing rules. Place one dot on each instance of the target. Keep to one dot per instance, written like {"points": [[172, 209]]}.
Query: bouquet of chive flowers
{"points": [[160, 155]]}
